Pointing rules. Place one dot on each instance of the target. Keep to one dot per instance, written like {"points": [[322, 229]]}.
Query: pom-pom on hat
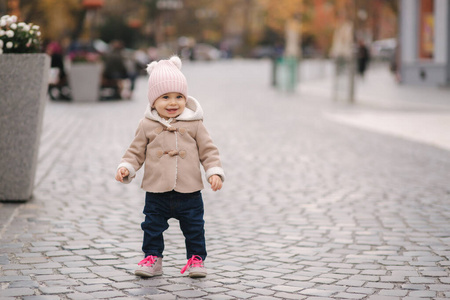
{"points": [[165, 77]]}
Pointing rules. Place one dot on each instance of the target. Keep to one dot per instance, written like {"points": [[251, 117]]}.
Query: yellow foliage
{"points": [[279, 11], [59, 17]]}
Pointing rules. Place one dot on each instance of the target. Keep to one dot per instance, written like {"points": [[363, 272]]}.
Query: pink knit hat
{"points": [[165, 77]]}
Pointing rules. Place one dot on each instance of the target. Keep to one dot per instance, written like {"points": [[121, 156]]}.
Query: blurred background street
{"points": [[337, 165]]}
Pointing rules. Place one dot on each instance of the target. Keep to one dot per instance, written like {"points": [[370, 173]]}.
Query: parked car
{"points": [[206, 52], [263, 52], [383, 49]]}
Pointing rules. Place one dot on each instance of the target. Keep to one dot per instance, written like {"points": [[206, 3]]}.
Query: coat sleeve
{"points": [[208, 153], [134, 157]]}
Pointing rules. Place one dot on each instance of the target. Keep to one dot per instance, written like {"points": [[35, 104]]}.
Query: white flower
{"points": [[9, 20], [18, 37]]}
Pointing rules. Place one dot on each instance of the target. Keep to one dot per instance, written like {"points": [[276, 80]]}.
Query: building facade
{"points": [[424, 42]]}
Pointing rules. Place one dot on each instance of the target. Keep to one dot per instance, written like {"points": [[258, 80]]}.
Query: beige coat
{"points": [[172, 152]]}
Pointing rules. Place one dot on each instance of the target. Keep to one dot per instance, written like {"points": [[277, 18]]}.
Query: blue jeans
{"points": [[187, 209]]}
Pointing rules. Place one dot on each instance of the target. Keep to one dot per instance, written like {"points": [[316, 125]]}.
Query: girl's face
{"points": [[170, 105]]}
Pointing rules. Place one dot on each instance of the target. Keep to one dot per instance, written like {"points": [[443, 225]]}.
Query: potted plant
{"points": [[23, 94], [85, 75]]}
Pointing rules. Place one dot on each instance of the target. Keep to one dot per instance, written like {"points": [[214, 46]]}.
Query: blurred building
{"points": [[424, 42]]}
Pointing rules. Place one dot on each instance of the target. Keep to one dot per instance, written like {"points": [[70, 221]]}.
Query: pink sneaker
{"points": [[195, 267], [149, 267]]}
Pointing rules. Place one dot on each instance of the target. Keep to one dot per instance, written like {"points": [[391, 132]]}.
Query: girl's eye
{"points": [[179, 97], [165, 97]]}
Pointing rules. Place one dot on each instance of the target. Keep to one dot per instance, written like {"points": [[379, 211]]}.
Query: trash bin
{"points": [[286, 73], [343, 85]]}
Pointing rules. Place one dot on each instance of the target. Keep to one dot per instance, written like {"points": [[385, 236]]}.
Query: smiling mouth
{"points": [[172, 110]]}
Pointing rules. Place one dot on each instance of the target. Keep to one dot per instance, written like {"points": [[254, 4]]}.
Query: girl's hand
{"points": [[121, 173], [216, 182]]}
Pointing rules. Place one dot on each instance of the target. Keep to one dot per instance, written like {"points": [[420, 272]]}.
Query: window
{"points": [[426, 40]]}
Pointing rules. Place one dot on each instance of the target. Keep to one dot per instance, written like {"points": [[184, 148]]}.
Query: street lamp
{"points": [[164, 22], [92, 4], [91, 7]]}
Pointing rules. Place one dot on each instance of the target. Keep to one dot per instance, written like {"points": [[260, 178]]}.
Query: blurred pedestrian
{"points": [[142, 60], [363, 58], [172, 141], [56, 88], [115, 72]]}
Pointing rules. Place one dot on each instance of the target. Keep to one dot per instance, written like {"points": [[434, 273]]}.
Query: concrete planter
{"points": [[23, 94], [85, 80]]}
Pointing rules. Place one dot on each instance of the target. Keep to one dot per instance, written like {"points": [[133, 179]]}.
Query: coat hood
{"points": [[192, 112]]}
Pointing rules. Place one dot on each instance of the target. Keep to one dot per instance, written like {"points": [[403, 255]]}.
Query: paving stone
{"points": [[66, 271], [15, 267], [80, 296], [92, 288], [284, 295], [434, 273], [107, 294], [83, 275], [95, 281], [42, 297], [54, 290], [65, 282], [240, 294], [258, 291], [142, 291], [286, 289], [439, 287], [164, 297], [392, 278], [58, 253], [414, 287], [352, 225], [361, 290], [350, 296], [218, 297], [317, 292], [16, 292], [215, 290], [422, 294], [33, 260], [351, 282], [49, 265], [24, 284], [380, 285], [397, 293], [190, 293]]}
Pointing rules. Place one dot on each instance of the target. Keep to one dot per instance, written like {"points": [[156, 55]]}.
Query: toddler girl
{"points": [[172, 142]]}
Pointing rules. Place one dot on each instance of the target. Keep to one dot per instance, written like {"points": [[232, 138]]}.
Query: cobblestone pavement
{"points": [[311, 209]]}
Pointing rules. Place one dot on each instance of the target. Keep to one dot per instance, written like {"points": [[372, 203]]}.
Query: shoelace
{"points": [[194, 261], [148, 261]]}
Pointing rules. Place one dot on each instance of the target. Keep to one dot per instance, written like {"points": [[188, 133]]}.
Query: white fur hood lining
{"points": [[192, 112]]}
